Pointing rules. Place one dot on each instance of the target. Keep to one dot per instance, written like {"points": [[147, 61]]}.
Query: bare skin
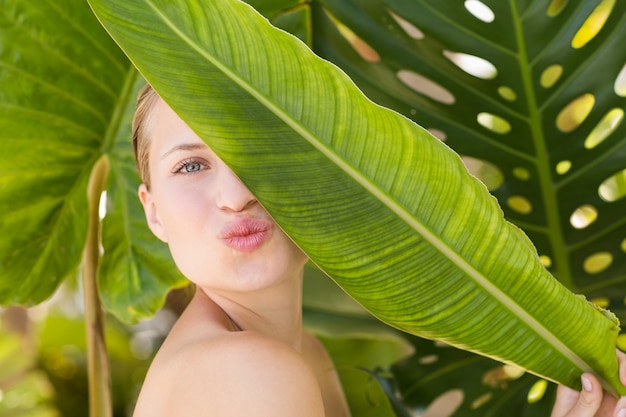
{"points": [[239, 348], [207, 367]]}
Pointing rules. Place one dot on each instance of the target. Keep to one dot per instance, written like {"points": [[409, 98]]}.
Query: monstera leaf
{"points": [[380, 205], [445, 381], [66, 98], [557, 170], [532, 94]]}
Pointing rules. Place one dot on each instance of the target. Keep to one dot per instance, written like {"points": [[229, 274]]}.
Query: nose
{"points": [[233, 195]]}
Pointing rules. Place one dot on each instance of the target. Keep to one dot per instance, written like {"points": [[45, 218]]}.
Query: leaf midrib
{"points": [[553, 218]]}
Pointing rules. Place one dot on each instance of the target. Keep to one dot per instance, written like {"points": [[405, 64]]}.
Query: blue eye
{"points": [[192, 167]]}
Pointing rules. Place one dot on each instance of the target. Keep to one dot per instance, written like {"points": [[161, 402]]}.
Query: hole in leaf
{"points": [[408, 27], [438, 133], [507, 93], [575, 113], [598, 262], [520, 204], [480, 401], [556, 6], [601, 302], [620, 83], [593, 24], [583, 216], [486, 172], [537, 391], [521, 173], [446, 404], [563, 167], [614, 187], [480, 10], [551, 75], [545, 261], [607, 125], [426, 86], [428, 359], [360, 46], [623, 245], [494, 123], [498, 376], [473, 65], [513, 372]]}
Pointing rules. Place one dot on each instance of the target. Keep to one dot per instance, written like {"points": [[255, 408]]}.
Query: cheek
{"points": [[193, 248], [181, 207], [187, 220], [188, 263]]}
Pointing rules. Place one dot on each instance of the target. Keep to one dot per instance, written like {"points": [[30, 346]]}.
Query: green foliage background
{"points": [[71, 92]]}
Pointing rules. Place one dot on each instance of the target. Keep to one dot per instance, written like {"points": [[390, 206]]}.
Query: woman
{"points": [[239, 349]]}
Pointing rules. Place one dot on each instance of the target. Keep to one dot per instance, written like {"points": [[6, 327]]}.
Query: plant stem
{"points": [[100, 403]]}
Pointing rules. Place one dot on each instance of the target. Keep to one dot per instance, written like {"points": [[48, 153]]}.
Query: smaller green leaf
{"points": [[136, 269]]}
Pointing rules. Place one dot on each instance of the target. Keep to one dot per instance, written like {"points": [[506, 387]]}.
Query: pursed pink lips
{"points": [[246, 234]]}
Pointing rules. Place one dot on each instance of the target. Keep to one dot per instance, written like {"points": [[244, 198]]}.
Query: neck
{"points": [[275, 311]]}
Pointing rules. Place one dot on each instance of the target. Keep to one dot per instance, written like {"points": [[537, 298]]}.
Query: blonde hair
{"points": [[146, 100]]}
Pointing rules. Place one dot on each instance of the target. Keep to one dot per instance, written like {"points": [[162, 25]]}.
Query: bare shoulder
{"points": [[238, 373]]}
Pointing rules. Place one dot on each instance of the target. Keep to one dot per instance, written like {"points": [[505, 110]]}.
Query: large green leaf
{"points": [[53, 114], [66, 99], [559, 175], [381, 206]]}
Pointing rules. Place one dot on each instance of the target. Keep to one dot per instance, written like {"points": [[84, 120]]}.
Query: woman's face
{"points": [[219, 235]]}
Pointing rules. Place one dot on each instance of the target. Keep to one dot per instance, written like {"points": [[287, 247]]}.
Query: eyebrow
{"points": [[185, 147]]}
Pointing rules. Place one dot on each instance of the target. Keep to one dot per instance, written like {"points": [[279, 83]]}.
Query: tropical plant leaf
{"points": [[136, 268], [53, 117], [65, 88], [556, 166], [380, 205], [459, 383]]}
